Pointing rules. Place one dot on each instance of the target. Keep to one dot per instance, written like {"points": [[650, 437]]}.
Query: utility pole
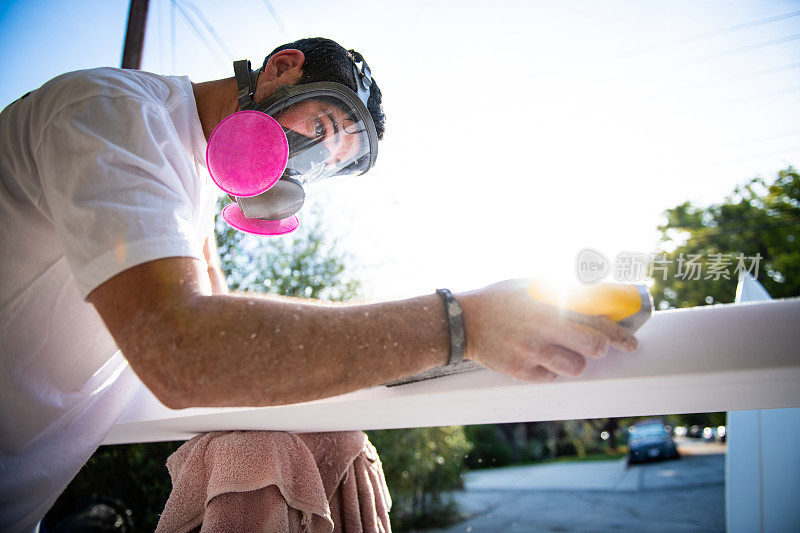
{"points": [[134, 36]]}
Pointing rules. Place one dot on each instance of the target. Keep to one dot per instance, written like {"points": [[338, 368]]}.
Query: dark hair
{"points": [[326, 60]]}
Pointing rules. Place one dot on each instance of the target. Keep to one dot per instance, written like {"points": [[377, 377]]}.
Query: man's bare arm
{"points": [[195, 348]]}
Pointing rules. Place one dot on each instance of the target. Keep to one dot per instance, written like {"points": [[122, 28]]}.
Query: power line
{"points": [[723, 31], [768, 94], [275, 16], [725, 53], [774, 136], [193, 25], [669, 44], [747, 76], [746, 48], [209, 27]]}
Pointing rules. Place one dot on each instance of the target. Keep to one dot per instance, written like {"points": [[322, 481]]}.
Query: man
{"points": [[106, 213]]}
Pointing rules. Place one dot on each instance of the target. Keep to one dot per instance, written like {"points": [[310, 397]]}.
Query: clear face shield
{"points": [[327, 139], [271, 155]]}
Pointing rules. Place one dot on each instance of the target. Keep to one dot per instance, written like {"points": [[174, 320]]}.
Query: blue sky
{"points": [[518, 133]]}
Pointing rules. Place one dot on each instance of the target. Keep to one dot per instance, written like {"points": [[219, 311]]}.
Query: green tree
{"points": [[305, 264], [759, 219], [490, 447], [758, 223], [133, 474], [422, 467], [496, 445]]}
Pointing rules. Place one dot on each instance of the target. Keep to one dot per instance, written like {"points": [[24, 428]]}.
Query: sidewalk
{"points": [[679, 495]]}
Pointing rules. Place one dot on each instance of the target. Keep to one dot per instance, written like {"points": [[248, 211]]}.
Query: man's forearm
{"points": [[195, 348], [240, 350]]}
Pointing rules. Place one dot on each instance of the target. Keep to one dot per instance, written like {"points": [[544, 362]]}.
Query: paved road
{"points": [[680, 495]]}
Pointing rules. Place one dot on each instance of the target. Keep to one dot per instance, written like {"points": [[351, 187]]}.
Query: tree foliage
{"points": [[306, 263], [496, 445], [760, 219], [422, 466], [133, 474]]}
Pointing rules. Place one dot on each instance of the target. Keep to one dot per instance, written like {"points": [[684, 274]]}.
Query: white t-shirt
{"points": [[100, 170]]}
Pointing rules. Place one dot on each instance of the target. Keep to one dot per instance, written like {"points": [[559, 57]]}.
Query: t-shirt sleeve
{"points": [[118, 185]]}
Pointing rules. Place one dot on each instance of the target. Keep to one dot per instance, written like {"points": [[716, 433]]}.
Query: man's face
{"points": [[317, 119]]}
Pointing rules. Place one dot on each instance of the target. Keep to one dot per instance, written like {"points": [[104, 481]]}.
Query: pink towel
{"points": [[242, 481]]}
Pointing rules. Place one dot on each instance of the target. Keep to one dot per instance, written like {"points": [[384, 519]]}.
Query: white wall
{"points": [[763, 460]]}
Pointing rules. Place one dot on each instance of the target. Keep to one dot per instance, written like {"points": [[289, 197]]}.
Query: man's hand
{"points": [[509, 332]]}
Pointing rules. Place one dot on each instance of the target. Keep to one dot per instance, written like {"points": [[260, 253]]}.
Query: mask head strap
{"points": [[246, 81], [363, 76]]}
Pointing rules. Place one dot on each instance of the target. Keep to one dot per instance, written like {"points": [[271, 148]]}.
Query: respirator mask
{"points": [[271, 155]]}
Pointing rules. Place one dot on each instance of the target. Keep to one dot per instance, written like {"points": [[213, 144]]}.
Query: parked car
{"points": [[650, 441]]}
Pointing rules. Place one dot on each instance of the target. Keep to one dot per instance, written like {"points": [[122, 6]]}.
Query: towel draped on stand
{"points": [[240, 481]]}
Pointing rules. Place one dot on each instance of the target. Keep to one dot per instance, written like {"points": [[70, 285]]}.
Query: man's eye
{"points": [[320, 130]]}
